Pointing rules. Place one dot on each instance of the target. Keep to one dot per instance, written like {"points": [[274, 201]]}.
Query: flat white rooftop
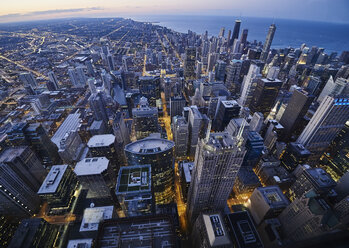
{"points": [[53, 179], [91, 166], [80, 243], [101, 140], [216, 232], [93, 216], [71, 123]]}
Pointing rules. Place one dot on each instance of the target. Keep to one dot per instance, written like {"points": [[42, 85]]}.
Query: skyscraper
{"points": [[335, 88], [27, 79], [296, 109], [265, 95], [52, 85], [236, 32], [268, 41], [180, 129], [189, 63], [226, 110], [249, 85], [243, 38], [99, 107], [159, 154], [217, 162], [232, 80], [325, 124]]}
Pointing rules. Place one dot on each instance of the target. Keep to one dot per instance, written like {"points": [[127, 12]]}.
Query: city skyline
{"points": [[311, 10]]}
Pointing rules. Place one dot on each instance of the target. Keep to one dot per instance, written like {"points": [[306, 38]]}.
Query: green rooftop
{"points": [[133, 179]]}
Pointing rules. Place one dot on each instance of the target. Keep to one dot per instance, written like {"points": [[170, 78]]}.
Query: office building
{"points": [[180, 130], [35, 136], [185, 171], [246, 182], [25, 164], [220, 68], [53, 80], [71, 147], [268, 41], [145, 119], [103, 145], [189, 63], [294, 154], [267, 202], [243, 38], [249, 84], [17, 198], [134, 190], [35, 232], [58, 189], [209, 231], [96, 175], [110, 61], [217, 162], [296, 109], [226, 110], [232, 80], [92, 218], [177, 103], [334, 88], [236, 31], [254, 147], [315, 179], [306, 217], [159, 154], [335, 160], [197, 128], [122, 136], [238, 127], [7, 230], [146, 231], [28, 79], [149, 87], [265, 95], [242, 230], [98, 106], [256, 123], [324, 126]]}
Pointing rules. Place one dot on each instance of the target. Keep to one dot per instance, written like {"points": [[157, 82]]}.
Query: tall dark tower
{"points": [[228, 38], [236, 32], [268, 42], [189, 63]]}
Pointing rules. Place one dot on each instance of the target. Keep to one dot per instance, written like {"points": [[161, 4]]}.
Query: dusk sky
{"points": [[318, 10]]}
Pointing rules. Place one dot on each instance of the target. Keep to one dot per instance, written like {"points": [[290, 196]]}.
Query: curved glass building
{"points": [[159, 154]]}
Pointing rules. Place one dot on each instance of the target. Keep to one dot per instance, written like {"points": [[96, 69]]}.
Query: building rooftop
{"points": [[243, 230], [93, 216], [101, 140], [221, 140], [247, 176], [217, 235], [80, 243], [300, 149], [320, 178], [53, 179], [230, 103], [91, 166], [132, 179], [11, 153], [146, 231], [71, 123], [149, 146], [187, 169], [273, 196]]}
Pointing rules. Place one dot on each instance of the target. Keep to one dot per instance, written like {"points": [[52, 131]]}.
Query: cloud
{"points": [[9, 17]]}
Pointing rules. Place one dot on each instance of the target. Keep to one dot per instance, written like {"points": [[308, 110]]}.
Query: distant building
{"points": [[177, 103], [294, 155], [145, 119], [134, 190], [149, 87], [189, 63], [268, 41], [27, 79]]}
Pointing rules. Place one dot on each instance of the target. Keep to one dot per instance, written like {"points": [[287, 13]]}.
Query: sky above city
{"points": [[315, 10]]}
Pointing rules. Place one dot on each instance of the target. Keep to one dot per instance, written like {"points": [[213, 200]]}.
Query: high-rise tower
{"points": [[236, 31], [217, 161], [268, 42]]}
